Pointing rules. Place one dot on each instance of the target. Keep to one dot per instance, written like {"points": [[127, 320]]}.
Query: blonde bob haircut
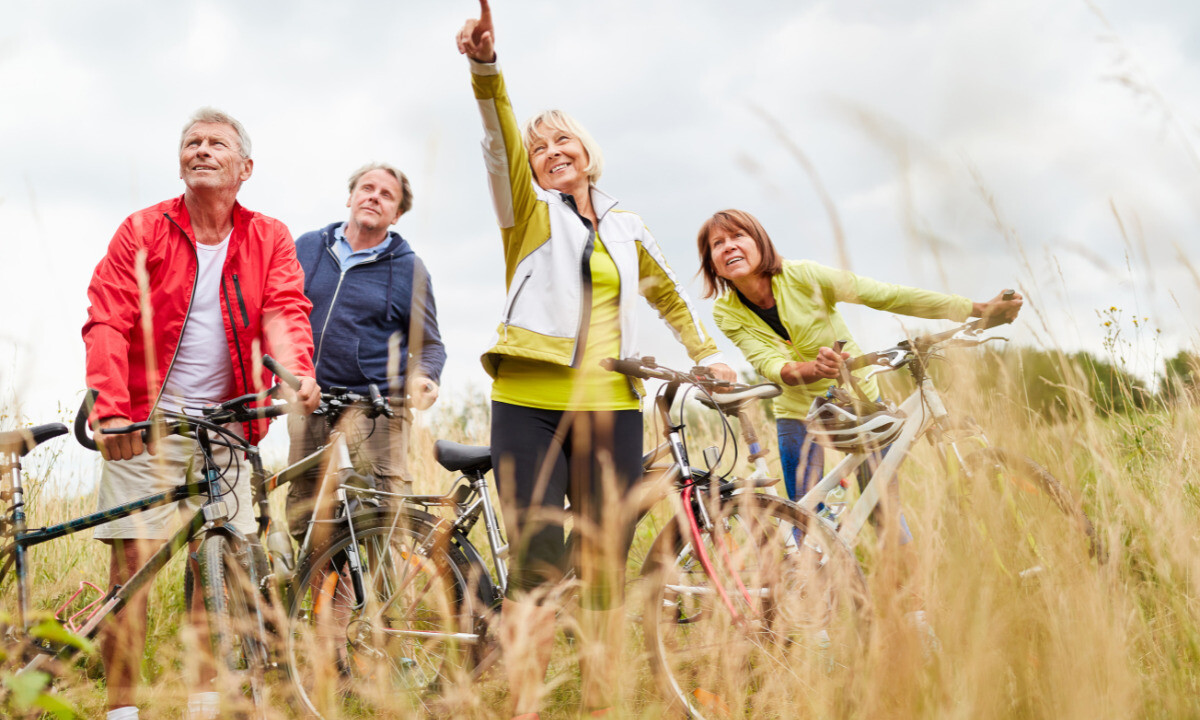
{"points": [[770, 264], [562, 121]]}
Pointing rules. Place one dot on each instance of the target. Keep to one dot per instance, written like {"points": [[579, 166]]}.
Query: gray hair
{"points": [[406, 198], [562, 121], [213, 115]]}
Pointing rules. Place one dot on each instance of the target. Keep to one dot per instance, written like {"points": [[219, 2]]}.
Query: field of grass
{"points": [[1085, 639]]}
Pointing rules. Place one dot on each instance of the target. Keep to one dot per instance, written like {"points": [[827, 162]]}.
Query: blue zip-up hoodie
{"points": [[356, 313]]}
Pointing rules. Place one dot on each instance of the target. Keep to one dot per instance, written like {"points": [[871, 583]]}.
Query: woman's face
{"points": [[734, 253], [558, 160]]}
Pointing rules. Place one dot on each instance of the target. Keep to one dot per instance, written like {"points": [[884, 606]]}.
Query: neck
{"points": [[211, 214], [757, 289], [361, 238]]}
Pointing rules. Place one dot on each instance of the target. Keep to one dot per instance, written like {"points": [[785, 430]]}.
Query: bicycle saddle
{"points": [[456, 457], [22, 441], [731, 402]]}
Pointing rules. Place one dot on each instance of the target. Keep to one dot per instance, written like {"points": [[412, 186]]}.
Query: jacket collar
{"points": [[602, 202], [396, 246], [177, 212]]}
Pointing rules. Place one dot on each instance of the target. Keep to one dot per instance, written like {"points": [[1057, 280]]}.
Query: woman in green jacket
{"points": [[782, 315]]}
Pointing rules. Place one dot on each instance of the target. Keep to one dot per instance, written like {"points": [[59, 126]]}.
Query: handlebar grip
{"points": [[632, 368], [81, 419], [280, 371], [266, 413], [1008, 294], [378, 402]]}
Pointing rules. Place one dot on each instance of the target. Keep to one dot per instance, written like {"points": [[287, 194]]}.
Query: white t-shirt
{"points": [[203, 370]]}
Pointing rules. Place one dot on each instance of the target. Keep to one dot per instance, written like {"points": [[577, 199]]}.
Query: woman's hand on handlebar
{"points": [[999, 310], [826, 365], [477, 38], [721, 371], [122, 446]]}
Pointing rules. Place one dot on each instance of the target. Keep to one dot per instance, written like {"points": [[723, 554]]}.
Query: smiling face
{"points": [[210, 158], [559, 160], [375, 202], [735, 255]]}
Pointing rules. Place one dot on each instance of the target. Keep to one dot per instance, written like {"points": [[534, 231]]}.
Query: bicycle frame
{"points": [[923, 409]]}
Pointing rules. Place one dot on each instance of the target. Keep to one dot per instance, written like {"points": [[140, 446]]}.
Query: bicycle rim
{"points": [[408, 634], [786, 601], [236, 634]]}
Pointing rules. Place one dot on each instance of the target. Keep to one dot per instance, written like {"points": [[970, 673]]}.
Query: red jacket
{"points": [[132, 335]]}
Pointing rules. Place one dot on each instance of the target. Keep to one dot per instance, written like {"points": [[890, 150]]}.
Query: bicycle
{"points": [[241, 581], [1023, 528], [225, 555], [732, 569]]}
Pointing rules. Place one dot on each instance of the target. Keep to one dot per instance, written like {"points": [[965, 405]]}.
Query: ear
{"points": [[349, 199], [396, 219], [247, 169]]}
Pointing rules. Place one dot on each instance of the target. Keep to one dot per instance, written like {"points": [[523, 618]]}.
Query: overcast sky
{"points": [[964, 146]]}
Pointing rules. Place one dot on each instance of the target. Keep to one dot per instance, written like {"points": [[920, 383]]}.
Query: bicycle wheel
{"points": [[785, 598], [1018, 510], [236, 634], [390, 634]]}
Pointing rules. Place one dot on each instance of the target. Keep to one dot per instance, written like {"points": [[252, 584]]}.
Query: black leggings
{"points": [[592, 458]]}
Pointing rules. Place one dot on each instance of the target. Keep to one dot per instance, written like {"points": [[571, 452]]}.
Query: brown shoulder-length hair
{"points": [[733, 220]]}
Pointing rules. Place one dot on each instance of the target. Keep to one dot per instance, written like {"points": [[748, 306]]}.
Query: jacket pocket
{"points": [[339, 361], [512, 304]]}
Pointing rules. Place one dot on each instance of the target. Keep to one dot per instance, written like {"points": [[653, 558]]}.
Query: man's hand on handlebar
{"points": [[309, 394], [123, 446], [422, 392], [999, 310]]}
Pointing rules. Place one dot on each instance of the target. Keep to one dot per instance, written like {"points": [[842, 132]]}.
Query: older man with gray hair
{"points": [[190, 294], [373, 308]]}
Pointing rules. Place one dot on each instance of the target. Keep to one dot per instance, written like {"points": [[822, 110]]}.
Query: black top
{"points": [[769, 315]]}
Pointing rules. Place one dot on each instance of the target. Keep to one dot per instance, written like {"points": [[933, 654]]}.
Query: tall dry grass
{"points": [[1084, 639]]}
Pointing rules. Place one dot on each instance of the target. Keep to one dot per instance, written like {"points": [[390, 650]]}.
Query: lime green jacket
{"points": [[547, 308], [807, 295]]}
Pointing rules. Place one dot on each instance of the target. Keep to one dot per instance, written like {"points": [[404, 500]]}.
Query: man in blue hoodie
{"points": [[372, 306]]}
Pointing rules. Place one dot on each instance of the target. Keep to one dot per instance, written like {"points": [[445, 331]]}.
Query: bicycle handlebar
{"points": [[645, 368], [281, 372], [898, 356]]}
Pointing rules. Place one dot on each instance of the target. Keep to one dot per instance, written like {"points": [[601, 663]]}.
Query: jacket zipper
{"points": [[585, 272], [237, 289], [585, 300], [188, 314], [336, 291], [237, 345]]}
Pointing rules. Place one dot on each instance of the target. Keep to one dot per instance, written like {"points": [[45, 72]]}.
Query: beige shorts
{"points": [[178, 460]]}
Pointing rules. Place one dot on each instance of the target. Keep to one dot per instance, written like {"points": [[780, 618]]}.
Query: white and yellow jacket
{"points": [[548, 304]]}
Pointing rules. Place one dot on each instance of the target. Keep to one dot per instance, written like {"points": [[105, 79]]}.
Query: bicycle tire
{"points": [[1022, 520], [345, 660], [236, 635], [804, 609]]}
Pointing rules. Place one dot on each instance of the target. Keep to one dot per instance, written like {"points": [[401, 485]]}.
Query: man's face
{"points": [[211, 159], [375, 202]]}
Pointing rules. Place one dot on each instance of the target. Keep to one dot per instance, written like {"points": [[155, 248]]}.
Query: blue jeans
{"points": [[804, 466]]}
